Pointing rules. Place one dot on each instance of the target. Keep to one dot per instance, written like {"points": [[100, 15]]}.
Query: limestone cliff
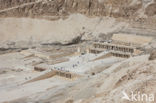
{"points": [[20, 19], [53, 9]]}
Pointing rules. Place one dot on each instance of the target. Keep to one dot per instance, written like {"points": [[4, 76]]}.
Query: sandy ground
{"points": [[20, 70], [135, 73]]}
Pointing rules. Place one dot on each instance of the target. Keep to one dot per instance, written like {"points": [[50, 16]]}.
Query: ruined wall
{"points": [[57, 8]]}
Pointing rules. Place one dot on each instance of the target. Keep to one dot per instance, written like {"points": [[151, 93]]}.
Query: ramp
{"points": [[52, 73]]}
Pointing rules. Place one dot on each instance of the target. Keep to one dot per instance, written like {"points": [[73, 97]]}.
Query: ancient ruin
{"points": [[118, 49], [77, 51]]}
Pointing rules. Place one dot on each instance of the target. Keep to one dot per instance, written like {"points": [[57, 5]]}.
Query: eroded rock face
{"points": [[52, 9], [24, 32], [26, 27]]}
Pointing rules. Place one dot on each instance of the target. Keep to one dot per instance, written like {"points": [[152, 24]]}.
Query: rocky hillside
{"points": [[20, 20], [53, 9]]}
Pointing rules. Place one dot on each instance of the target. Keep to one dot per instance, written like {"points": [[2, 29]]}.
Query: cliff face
{"points": [[55, 8], [27, 27]]}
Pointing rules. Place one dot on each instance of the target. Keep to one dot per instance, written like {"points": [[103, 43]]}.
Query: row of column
{"points": [[121, 55], [67, 75], [116, 48], [94, 51]]}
